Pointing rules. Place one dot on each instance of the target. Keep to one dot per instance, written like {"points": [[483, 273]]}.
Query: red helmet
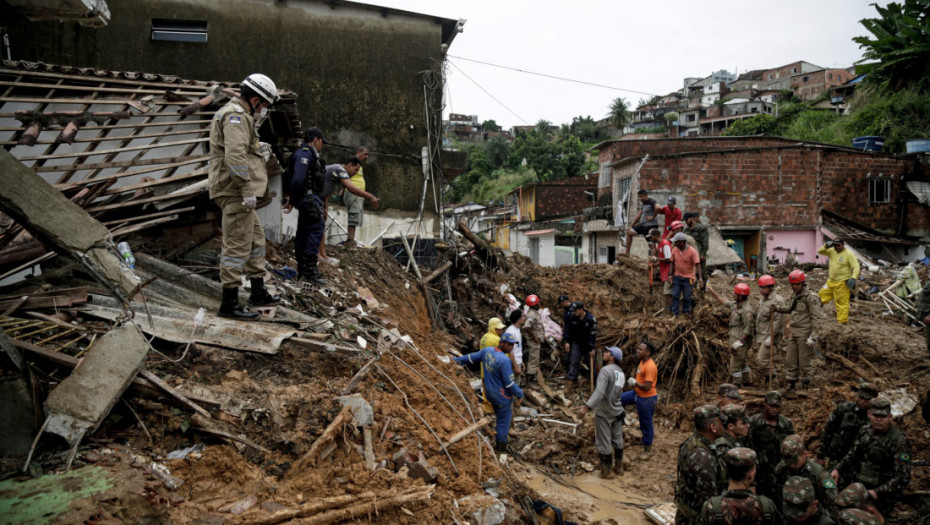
{"points": [[675, 225], [532, 300], [741, 289], [766, 280], [797, 276]]}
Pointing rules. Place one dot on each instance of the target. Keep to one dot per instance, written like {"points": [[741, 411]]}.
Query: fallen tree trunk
{"points": [[850, 365], [466, 431], [491, 255]]}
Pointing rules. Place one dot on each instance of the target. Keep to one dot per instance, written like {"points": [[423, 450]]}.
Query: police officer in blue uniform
{"points": [[311, 223]]}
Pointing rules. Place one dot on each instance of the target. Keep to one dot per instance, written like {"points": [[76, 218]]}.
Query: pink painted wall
{"points": [[804, 242]]}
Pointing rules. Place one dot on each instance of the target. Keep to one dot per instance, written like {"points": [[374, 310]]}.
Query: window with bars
{"points": [[604, 180], [879, 191]]}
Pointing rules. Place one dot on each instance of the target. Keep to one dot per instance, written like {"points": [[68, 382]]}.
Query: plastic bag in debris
{"points": [[184, 452], [554, 514]]}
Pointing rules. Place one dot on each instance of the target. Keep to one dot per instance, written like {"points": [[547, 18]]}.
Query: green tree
{"points": [[585, 127], [497, 149], [761, 124], [544, 127], [490, 125], [897, 55], [619, 114], [549, 160]]}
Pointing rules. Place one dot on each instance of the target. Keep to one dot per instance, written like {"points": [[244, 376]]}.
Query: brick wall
{"points": [[673, 146], [782, 187], [564, 197]]}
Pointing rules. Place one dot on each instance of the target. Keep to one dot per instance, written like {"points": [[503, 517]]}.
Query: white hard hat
{"points": [[263, 86]]}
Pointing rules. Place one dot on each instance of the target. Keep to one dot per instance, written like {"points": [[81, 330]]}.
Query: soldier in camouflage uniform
{"points": [[804, 314], [728, 394], [735, 429], [796, 463], [856, 496], [698, 232], [699, 472], [880, 458], [842, 427], [766, 432], [738, 505], [800, 504], [923, 311], [857, 517], [741, 332]]}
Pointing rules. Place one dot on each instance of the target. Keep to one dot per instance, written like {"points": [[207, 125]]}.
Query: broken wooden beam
{"points": [[184, 400], [358, 377], [466, 431], [326, 347], [439, 271], [344, 416]]}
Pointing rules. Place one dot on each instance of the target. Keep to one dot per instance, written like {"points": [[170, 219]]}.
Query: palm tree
{"points": [[899, 54], [619, 114], [543, 126]]}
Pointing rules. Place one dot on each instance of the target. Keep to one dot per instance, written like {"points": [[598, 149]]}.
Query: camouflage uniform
{"points": [[769, 306], [727, 442], [797, 496], [698, 471], [739, 506], [923, 310], [880, 462], [823, 486], [702, 239], [842, 427], [854, 496], [857, 517], [741, 329], [766, 441], [535, 335], [804, 317]]}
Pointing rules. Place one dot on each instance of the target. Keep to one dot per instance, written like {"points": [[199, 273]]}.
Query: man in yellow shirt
{"points": [[355, 206], [844, 272]]}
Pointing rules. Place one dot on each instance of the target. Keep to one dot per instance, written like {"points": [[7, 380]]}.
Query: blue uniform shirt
{"points": [[497, 374], [584, 332], [305, 159]]}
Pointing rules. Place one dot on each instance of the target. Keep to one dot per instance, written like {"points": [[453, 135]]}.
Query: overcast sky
{"points": [[646, 46]]}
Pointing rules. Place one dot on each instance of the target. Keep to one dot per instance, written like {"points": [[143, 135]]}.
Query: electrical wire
{"points": [[488, 93], [553, 77]]}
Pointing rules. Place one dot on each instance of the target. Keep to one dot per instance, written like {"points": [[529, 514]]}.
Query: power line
{"points": [[554, 77], [489, 93]]}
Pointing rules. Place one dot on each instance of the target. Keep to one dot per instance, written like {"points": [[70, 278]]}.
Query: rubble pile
{"points": [[356, 410]]}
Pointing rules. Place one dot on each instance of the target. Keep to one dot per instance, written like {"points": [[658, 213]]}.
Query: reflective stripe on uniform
{"points": [[257, 253], [240, 170], [233, 262]]}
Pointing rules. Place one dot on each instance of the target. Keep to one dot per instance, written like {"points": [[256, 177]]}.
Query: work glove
{"points": [[736, 345], [631, 382], [768, 341], [851, 283], [250, 202], [653, 259], [811, 341]]}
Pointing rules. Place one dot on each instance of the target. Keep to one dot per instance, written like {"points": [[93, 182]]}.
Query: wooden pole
{"points": [[466, 431]]}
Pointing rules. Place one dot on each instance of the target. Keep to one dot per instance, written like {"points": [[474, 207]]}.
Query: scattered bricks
{"points": [[417, 466]]}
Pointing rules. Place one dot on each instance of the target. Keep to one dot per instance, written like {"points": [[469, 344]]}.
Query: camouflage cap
{"points": [[740, 457], [732, 413], [855, 496], [868, 391], [706, 412], [729, 390], [773, 398], [798, 494], [856, 517], [880, 406], [791, 448]]}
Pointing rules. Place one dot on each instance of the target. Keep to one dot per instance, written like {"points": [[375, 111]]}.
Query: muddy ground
{"points": [[283, 403]]}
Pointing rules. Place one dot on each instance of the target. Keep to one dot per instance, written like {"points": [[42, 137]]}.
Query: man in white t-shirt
{"points": [[516, 355]]}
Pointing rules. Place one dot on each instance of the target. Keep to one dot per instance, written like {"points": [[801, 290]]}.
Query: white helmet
{"points": [[263, 86]]}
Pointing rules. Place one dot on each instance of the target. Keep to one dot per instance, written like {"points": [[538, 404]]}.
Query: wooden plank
{"points": [[77, 294], [115, 151], [152, 216], [118, 164], [154, 379], [112, 126], [326, 347], [110, 101], [194, 174], [59, 301], [200, 131], [135, 202], [77, 87], [143, 225], [109, 79]]}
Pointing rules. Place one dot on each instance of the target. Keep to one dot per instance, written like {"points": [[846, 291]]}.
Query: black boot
{"points": [[606, 460], [260, 295], [229, 306], [312, 273], [500, 447], [618, 461]]}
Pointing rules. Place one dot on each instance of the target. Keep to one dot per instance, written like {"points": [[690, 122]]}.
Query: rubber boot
{"points": [[792, 385], [606, 466], [260, 295], [747, 379], [647, 453], [618, 461], [230, 307], [500, 447]]}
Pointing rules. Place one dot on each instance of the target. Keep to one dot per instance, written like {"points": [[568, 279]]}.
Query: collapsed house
{"points": [[776, 198]]}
